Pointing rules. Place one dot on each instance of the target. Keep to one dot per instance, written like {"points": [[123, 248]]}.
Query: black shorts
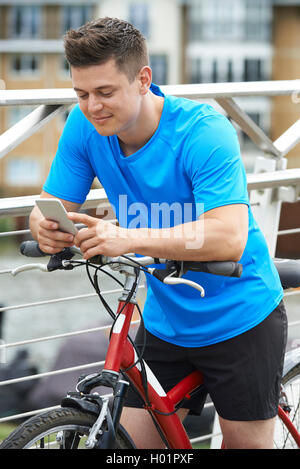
{"points": [[242, 375]]}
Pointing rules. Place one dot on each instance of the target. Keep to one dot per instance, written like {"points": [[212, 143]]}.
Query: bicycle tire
{"points": [[37, 428], [291, 386]]}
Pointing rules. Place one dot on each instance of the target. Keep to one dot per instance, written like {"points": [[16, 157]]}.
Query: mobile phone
{"points": [[54, 210]]}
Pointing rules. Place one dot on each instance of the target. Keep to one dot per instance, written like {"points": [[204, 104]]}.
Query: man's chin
{"points": [[104, 132]]}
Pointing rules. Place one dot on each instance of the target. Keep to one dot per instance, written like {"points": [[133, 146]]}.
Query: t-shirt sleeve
{"points": [[214, 165], [71, 174]]}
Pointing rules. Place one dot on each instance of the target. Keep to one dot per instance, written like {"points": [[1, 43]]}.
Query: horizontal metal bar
{"points": [[50, 373], [27, 414], [58, 336], [294, 292], [56, 300], [287, 177], [17, 206], [288, 232], [247, 124], [37, 96], [14, 233], [204, 437], [53, 337], [191, 91]]}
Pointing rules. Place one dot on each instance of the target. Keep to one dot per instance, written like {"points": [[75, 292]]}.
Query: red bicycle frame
{"points": [[284, 416], [121, 355]]}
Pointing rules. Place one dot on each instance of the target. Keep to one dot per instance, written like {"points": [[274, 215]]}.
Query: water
{"points": [[39, 321]]}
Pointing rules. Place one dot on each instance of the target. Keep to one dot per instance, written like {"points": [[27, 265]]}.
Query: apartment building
{"points": [[160, 21], [31, 57], [190, 41], [286, 66]]}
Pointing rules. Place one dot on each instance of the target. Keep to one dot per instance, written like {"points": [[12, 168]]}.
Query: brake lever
{"points": [[170, 280], [172, 276], [23, 268]]}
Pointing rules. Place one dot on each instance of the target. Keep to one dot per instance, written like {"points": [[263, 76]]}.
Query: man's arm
{"points": [[46, 232], [219, 234]]}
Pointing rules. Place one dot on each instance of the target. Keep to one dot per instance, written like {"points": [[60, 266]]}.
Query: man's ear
{"points": [[145, 79]]}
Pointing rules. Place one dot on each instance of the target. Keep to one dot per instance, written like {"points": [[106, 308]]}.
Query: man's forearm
{"points": [[204, 240]]}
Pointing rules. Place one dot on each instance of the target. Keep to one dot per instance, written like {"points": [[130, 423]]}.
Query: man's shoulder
{"points": [[192, 121], [190, 111]]}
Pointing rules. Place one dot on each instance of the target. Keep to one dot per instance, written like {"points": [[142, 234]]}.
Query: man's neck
{"points": [[145, 126]]}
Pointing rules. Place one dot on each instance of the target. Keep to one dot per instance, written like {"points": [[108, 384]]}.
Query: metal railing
{"points": [[269, 185]]}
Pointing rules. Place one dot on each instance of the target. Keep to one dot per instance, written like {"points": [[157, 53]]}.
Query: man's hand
{"points": [[50, 239], [100, 237], [46, 232]]}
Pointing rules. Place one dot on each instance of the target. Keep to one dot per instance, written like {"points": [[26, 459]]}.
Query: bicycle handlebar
{"points": [[224, 268], [32, 249], [170, 275]]}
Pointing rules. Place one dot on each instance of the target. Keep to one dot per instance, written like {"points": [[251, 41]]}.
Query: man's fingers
{"points": [[82, 218], [56, 235], [48, 224]]}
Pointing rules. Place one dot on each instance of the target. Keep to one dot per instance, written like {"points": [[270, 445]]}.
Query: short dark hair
{"points": [[98, 41]]}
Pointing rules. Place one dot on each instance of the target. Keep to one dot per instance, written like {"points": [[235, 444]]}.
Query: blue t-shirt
{"points": [[190, 165]]}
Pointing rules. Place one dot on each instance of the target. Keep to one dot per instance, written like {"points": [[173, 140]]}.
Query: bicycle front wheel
{"points": [[291, 387], [64, 428]]}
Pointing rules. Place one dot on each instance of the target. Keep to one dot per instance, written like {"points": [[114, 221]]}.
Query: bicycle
{"points": [[87, 420]]}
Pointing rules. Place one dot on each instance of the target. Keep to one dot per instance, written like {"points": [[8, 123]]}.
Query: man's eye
{"points": [[105, 95], [84, 96]]}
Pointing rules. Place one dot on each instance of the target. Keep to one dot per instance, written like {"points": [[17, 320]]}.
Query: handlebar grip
{"points": [[225, 268], [32, 249]]}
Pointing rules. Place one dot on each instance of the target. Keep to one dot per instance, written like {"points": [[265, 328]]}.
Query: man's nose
{"points": [[94, 104]]}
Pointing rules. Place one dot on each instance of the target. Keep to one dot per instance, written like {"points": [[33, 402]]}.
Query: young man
{"points": [[152, 151]]}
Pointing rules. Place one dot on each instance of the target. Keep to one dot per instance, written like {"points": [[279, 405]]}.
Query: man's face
{"points": [[107, 98]]}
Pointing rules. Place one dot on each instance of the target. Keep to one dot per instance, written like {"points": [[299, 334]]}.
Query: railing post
{"points": [[266, 203]]}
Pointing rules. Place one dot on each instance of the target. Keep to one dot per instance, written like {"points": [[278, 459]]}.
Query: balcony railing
{"points": [[269, 185]]}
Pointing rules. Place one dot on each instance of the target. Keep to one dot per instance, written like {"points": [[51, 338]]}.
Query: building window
{"points": [[159, 65], [75, 16], [26, 22], [64, 67], [222, 69], [258, 20], [253, 70], [139, 17], [23, 172], [213, 70], [230, 76], [25, 64], [194, 68], [215, 20]]}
